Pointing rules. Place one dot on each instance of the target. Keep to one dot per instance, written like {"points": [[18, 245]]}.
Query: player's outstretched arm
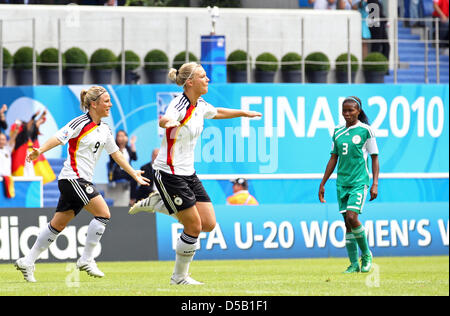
{"points": [[328, 171], [165, 122], [49, 144], [224, 113], [135, 174]]}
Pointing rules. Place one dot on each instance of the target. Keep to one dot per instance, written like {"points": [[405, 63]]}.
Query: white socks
{"points": [[48, 235], [185, 250], [44, 240], [94, 234], [161, 208]]}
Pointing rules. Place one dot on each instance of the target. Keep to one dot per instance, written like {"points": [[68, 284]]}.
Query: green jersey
{"points": [[353, 145]]}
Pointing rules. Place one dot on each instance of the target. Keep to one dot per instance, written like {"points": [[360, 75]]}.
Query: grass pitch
{"points": [[283, 277]]}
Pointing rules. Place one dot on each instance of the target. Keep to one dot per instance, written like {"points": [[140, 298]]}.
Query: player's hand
{"points": [[322, 194], [373, 192], [139, 178], [172, 123], [34, 154], [252, 114]]}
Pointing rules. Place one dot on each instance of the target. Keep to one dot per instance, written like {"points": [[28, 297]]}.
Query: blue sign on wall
{"points": [[28, 193], [313, 230], [292, 137], [213, 58]]}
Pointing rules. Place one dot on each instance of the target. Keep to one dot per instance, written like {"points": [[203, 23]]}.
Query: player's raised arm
{"points": [[224, 113], [51, 143]]}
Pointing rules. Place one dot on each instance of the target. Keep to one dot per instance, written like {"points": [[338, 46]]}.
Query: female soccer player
{"points": [[181, 191], [351, 144], [87, 135]]}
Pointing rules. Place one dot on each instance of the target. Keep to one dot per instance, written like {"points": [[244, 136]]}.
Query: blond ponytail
{"points": [[91, 95]]}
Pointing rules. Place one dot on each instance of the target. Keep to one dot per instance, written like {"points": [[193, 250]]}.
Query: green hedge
{"points": [[342, 63], [237, 61], [156, 56], [50, 55], [76, 58], [317, 57], [103, 58], [294, 61], [7, 59], [270, 59], [23, 58], [375, 57], [180, 59], [132, 60]]}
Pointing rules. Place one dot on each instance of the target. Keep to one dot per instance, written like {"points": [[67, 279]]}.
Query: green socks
{"points": [[361, 239], [352, 248]]}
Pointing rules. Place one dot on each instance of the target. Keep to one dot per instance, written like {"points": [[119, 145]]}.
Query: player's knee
{"points": [[351, 219], [208, 227], [193, 228], [58, 226]]}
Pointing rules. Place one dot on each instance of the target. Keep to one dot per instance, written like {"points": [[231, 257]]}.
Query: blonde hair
{"points": [[91, 95], [183, 74]]}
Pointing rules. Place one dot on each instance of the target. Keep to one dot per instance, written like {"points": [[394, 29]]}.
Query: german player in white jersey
{"points": [[86, 136], [352, 143], [182, 193]]}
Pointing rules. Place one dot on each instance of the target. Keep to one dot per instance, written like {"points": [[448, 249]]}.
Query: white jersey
{"points": [[5, 161], [86, 141], [176, 155]]}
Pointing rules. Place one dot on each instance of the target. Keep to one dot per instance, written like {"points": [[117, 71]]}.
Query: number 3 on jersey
{"points": [[344, 148]]}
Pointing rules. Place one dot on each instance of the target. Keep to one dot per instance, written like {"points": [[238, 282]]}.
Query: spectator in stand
{"points": [[129, 152], [323, 4], [361, 6], [5, 152], [22, 1], [114, 3], [3, 124], [441, 12], [344, 5], [415, 13], [144, 190], [241, 196], [378, 31]]}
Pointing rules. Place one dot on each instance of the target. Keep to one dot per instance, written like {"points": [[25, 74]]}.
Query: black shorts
{"points": [[75, 194], [179, 192]]}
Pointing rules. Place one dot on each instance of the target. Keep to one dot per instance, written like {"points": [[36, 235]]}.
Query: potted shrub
{"points": [[49, 70], [266, 65], [103, 61], [156, 65], [375, 66], [132, 62], [23, 65], [180, 59], [237, 66], [317, 66], [7, 64], [291, 67], [76, 64], [342, 67]]}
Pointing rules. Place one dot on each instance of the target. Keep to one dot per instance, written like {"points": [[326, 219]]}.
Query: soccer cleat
{"points": [[187, 280], [146, 205], [353, 268], [366, 263], [90, 267], [27, 270]]}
